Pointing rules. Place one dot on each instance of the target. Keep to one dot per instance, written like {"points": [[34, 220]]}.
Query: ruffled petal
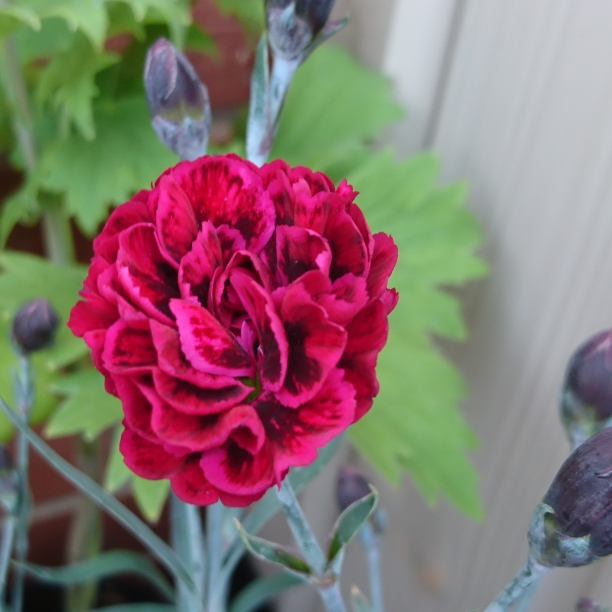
{"points": [[95, 341], [346, 297], [384, 259], [146, 459], [136, 408], [299, 251], [147, 278], [95, 313], [273, 345], [128, 350], [190, 485], [208, 345], [315, 346]]}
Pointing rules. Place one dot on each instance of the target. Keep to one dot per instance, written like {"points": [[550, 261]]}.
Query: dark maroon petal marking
{"points": [[273, 346], [146, 459], [296, 433], [279, 187], [236, 471], [190, 486], [106, 244], [128, 350], [199, 264], [384, 259], [231, 240], [175, 219], [171, 360], [147, 278], [203, 433], [300, 250], [315, 346], [190, 399], [136, 408], [108, 284], [130, 315], [348, 248], [227, 191], [206, 344], [347, 296]]}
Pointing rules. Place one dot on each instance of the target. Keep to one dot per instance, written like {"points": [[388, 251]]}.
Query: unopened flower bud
{"points": [[573, 524], [9, 482], [178, 101], [34, 325], [350, 487], [586, 396], [294, 24], [588, 605]]}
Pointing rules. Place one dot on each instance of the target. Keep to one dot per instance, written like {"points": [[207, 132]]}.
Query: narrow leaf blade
{"points": [[262, 590]]}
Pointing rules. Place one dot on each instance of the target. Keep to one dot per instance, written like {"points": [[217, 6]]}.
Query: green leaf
{"points": [[88, 16], [117, 473], [101, 566], [198, 40], [250, 13], [20, 207], [165, 555], [359, 602], [13, 17], [68, 83], [350, 522], [262, 590], [150, 496], [137, 607], [53, 37], [86, 409], [333, 104], [273, 553], [125, 157]]}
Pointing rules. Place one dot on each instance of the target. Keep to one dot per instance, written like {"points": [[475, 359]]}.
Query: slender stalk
{"points": [[57, 235], [216, 586], [527, 597], [283, 71], [369, 540], [6, 547], [530, 572], [188, 542], [332, 598], [301, 529], [24, 395]]}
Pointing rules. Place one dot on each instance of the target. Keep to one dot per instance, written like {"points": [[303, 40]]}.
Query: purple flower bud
{"points": [[579, 498], [34, 326], [351, 487], [586, 397], [294, 24], [178, 101], [588, 605]]}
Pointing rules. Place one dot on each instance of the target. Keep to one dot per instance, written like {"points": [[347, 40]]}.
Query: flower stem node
{"points": [[573, 524], [34, 326], [178, 101], [586, 396]]}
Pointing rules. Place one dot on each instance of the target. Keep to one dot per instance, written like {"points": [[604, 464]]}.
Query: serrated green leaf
{"points": [[89, 16], [333, 103], [19, 207], [13, 17], [350, 522], [262, 590], [53, 37], [273, 553], [68, 83], [127, 150], [101, 566], [150, 497], [117, 473], [86, 408]]}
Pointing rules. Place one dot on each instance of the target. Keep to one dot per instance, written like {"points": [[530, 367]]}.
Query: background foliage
{"points": [[95, 148]]}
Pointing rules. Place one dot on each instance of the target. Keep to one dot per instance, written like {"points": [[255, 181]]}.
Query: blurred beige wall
{"points": [[515, 97]]}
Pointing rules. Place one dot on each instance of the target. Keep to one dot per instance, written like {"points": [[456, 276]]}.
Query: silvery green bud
{"points": [[586, 396], [294, 24], [34, 326], [178, 101], [573, 524]]}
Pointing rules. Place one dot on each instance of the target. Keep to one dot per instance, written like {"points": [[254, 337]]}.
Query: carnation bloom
{"points": [[237, 312]]}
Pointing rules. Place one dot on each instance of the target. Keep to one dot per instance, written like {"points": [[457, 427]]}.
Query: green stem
{"points": [[6, 547], [216, 586], [57, 235], [369, 540], [332, 598]]}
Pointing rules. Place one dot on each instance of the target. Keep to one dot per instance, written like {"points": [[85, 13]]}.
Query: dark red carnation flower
{"points": [[237, 312]]}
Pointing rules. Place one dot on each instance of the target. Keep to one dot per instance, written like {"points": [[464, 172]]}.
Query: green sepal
{"points": [[101, 566], [350, 522]]}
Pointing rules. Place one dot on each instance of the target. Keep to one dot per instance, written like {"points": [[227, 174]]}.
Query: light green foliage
{"points": [[249, 12], [126, 148], [334, 110], [86, 409], [12, 17]]}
